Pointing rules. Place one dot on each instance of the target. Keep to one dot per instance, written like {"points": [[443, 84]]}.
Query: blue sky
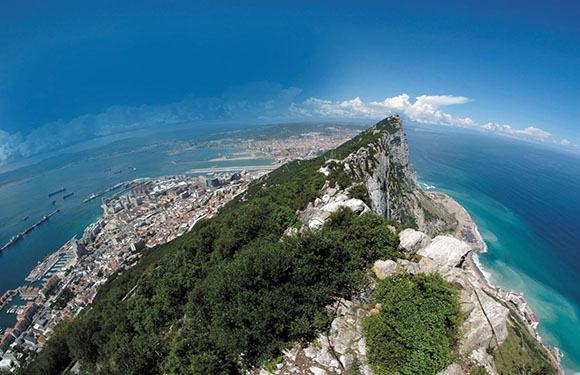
{"points": [[70, 71]]}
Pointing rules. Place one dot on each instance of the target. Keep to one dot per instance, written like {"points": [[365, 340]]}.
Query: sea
{"points": [[525, 200], [524, 197], [24, 192]]}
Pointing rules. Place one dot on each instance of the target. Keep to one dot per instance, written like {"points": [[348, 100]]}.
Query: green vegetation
{"points": [[360, 192], [234, 292], [64, 298], [416, 328], [389, 124], [227, 296], [521, 353], [338, 176]]}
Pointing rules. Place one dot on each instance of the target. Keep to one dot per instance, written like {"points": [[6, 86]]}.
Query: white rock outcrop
{"points": [[384, 268], [453, 369], [331, 201], [445, 250], [412, 240]]}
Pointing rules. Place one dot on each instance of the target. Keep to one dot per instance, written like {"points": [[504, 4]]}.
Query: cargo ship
{"points": [[57, 192], [67, 195]]}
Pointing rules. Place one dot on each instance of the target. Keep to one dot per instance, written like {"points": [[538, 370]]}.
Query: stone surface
{"points": [[331, 201], [334, 354], [384, 268], [445, 250], [412, 240], [453, 369]]}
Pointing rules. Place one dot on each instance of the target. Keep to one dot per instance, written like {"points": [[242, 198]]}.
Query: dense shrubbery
{"points": [[416, 328], [227, 296], [337, 176], [360, 192]]}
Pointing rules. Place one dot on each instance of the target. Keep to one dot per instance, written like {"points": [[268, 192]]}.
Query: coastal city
{"points": [[139, 214], [146, 213]]}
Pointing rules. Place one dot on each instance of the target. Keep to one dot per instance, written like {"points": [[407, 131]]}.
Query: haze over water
{"points": [[525, 199]]}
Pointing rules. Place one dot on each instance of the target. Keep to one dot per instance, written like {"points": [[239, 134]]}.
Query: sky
{"points": [[73, 71]]}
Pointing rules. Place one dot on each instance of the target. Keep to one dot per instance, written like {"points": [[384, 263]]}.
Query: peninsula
{"points": [[337, 264]]}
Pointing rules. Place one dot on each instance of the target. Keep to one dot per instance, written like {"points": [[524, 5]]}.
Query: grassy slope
{"points": [[521, 353]]}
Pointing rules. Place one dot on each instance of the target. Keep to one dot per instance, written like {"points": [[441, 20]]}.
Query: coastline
{"points": [[467, 231]]}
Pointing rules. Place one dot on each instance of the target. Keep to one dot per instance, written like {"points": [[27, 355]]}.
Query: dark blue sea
{"points": [[524, 197]]}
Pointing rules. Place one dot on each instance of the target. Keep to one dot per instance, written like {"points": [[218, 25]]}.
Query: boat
{"points": [[25, 218], [67, 195], [57, 192], [54, 202]]}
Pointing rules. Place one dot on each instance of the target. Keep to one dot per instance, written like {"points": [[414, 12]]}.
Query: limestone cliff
{"points": [[383, 166], [429, 232]]}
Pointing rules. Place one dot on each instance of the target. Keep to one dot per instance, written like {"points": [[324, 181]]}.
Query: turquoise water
{"points": [[525, 199]]}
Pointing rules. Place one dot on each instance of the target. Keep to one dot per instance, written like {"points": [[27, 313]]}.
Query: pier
{"points": [[100, 193], [19, 236]]}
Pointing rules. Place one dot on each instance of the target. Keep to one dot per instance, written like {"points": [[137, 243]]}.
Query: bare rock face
{"points": [[331, 201], [412, 240], [383, 166], [485, 322], [453, 369], [384, 268], [338, 351], [445, 250]]}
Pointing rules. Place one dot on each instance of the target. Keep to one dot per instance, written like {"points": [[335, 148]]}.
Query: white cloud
{"points": [[425, 109], [565, 142], [255, 102], [249, 103]]}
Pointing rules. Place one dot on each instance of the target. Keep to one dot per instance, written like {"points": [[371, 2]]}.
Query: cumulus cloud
{"points": [[255, 102], [9, 145], [565, 142], [530, 132], [424, 109]]}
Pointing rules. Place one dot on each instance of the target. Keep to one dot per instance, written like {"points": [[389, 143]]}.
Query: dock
{"points": [[233, 169]]}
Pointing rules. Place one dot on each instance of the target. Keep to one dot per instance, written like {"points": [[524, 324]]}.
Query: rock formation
{"points": [[382, 164]]}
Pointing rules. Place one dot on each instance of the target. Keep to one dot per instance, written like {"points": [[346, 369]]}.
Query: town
{"points": [[146, 213]]}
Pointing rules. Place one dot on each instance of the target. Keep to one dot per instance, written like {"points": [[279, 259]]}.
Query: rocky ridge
{"points": [[383, 166]]}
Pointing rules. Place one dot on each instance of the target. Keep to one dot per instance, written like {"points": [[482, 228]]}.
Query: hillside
{"points": [[281, 282]]}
